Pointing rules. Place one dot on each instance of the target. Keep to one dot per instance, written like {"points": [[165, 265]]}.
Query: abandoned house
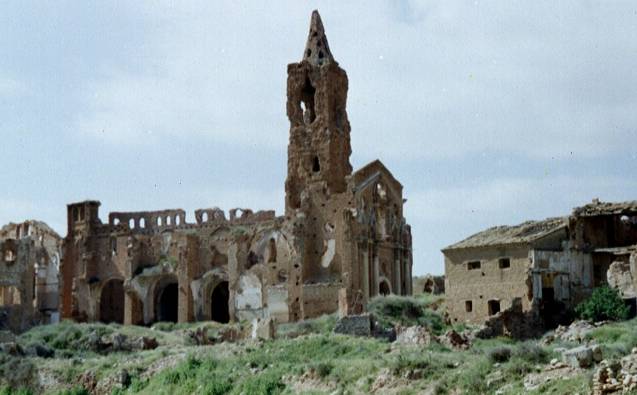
{"points": [[29, 263], [343, 238], [543, 268]]}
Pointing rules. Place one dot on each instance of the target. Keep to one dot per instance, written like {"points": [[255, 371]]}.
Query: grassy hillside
{"points": [[305, 358]]}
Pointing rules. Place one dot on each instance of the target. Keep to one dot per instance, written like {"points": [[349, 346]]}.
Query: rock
{"points": [[263, 329], [454, 339], [579, 357], [533, 381], [123, 378], [597, 353], [146, 343], [119, 342], [355, 325], [576, 332], [414, 335], [494, 379]]}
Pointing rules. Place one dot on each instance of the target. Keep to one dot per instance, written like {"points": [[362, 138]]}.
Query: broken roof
{"points": [[605, 208], [525, 232]]}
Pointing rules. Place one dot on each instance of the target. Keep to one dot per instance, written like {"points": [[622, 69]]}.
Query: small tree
{"points": [[604, 304]]}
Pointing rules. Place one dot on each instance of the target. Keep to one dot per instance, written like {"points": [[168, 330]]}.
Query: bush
{"points": [[532, 352], [404, 310], [499, 354], [603, 304]]}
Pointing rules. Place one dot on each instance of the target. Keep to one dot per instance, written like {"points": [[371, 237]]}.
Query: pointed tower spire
{"points": [[317, 50]]}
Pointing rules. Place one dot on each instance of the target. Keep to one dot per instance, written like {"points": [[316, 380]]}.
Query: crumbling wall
{"points": [[569, 272], [41, 260], [16, 284], [478, 283], [429, 284]]}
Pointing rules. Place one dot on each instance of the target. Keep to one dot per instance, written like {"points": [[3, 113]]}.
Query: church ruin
{"points": [[343, 238]]}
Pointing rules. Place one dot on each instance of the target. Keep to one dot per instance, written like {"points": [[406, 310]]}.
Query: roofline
{"points": [[451, 248]]}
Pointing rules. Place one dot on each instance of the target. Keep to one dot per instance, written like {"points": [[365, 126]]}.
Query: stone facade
{"points": [[29, 262], [343, 238]]}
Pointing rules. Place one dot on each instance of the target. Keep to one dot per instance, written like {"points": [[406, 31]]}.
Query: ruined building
{"points": [[29, 262], [343, 238], [543, 268]]}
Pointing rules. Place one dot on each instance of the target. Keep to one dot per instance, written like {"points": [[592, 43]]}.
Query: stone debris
{"points": [[264, 329], [453, 339], [616, 377], [556, 370], [119, 342], [582, 356], [575, 332], [355, 325], [414, 335]]}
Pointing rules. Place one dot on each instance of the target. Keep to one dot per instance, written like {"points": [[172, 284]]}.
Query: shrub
{"points": [[322, 369], [532, 352], [499, 354], [404, 310], [603, 304]]}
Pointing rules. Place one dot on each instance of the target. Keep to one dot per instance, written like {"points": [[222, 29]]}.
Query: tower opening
{"points": [[316, 164], [307, 97]]}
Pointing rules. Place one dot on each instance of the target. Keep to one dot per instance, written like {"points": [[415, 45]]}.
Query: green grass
{"points": [[341, 364], [616, 339]]}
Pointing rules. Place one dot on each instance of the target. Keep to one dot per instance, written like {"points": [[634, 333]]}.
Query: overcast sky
{"points": [[488, 112]]}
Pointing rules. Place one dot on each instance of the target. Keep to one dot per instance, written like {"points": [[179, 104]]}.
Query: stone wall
{"points": [[479, 283]]}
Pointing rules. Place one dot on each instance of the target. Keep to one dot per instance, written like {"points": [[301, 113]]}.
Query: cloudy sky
{"points": [[488, 112]]}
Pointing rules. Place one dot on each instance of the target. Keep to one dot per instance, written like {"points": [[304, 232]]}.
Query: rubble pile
{"points": [[616, 377]]}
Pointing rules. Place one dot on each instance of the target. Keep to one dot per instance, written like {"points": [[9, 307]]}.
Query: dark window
{"points": [[316, 165], [494, 307], [504, 263], [468, 306], [473, 265]]}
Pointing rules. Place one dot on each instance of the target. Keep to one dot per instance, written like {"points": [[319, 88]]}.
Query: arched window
{"points": [[316, 164]]}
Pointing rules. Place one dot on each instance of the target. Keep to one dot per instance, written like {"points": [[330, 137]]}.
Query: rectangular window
{"points": [[473, 265], [494, 307], [468, 306], [504, 263]]}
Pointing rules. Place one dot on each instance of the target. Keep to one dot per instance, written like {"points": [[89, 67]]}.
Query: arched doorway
{"points": [[167, 306], [383, 288], [219, 303], [112, 302]]}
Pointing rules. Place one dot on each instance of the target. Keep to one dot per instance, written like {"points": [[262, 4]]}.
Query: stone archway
{"points": [[167, 302], [219, 297], [112, 302]]}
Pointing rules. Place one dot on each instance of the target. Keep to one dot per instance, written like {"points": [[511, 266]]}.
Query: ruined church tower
{"points": [[319, 146]]}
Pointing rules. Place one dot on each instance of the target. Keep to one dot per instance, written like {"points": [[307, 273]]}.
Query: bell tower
{"points": [[319, 146]]}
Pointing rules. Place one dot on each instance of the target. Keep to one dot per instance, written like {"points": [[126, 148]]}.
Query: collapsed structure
{"points": [[343, 238], [29, 262], [543, 268]]}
